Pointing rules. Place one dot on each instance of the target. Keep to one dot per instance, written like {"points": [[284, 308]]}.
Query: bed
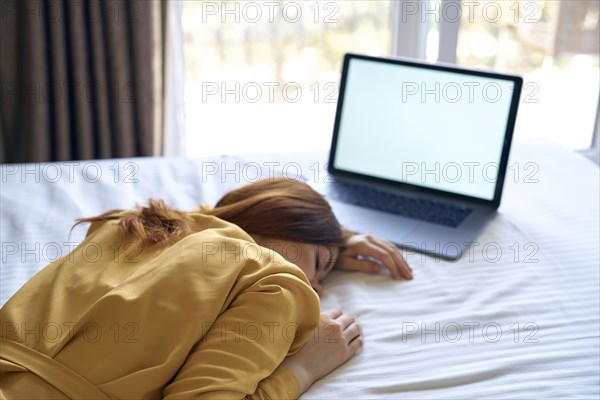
{"points": [[516, 317]]}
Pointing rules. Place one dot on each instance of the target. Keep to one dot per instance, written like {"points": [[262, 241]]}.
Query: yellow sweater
{"points": [[211, 315]]}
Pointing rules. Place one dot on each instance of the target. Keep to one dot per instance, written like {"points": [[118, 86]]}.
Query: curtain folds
{"points": [[81, 79]]}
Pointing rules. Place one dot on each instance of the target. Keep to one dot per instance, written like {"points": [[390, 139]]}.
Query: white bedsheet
{"points": [[516, 317]]}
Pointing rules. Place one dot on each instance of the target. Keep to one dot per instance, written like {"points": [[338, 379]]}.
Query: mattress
{"points": [[516, 317]]}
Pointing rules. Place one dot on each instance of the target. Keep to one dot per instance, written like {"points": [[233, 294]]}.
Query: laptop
{"points": [[419, 151]]}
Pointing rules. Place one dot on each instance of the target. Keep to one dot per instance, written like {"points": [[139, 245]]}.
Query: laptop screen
{"points": [[441, 129]]}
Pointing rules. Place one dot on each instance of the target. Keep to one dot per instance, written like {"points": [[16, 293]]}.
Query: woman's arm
{"points": [[240, 355]]}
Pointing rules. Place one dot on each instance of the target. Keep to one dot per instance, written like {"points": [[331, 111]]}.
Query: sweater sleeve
{"points": [[281, 384], [241, 352]]}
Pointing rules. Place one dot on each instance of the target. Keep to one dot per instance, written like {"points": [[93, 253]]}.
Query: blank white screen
{"points": [[425, 127]]}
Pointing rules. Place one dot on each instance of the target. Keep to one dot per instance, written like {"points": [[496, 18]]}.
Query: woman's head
{"points": [[289, 217], [281, 208]]}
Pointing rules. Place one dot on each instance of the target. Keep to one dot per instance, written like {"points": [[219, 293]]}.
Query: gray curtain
{"points": [[79, 79]]}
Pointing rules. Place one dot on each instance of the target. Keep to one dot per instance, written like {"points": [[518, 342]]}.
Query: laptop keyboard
{"points": [[417, 208]]}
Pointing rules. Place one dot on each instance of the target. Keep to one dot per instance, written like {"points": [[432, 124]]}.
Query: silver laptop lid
{"points": [[430, 127]]}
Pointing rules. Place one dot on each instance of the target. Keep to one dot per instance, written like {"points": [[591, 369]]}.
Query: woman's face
{"points": [[316, 261]]}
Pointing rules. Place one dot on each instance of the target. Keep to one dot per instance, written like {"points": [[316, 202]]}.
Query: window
{"points": [[261, 75], [553, 44]]}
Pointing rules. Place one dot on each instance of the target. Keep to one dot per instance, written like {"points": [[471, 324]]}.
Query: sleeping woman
{"points": [[214, 303]]}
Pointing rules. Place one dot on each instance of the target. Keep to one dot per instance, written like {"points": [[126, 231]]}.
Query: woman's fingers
{"points": [[365, 253], [399, 261], [355, 344], [352, 331], [349, 325], [376, 250], [345, 320]]}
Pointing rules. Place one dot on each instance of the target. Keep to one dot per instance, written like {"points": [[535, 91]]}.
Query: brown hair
{"points": [[278, 208]]}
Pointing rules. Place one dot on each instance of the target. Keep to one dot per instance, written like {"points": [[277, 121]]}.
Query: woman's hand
{"points": [[368, 254], [337, 338]]}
